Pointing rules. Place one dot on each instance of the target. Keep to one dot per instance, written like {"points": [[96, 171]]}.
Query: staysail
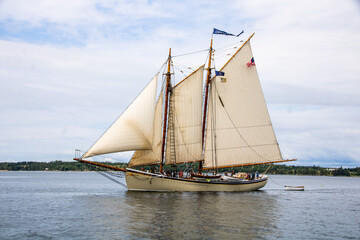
{"points": [[186, 105], [133, 130], [239, 130], [152, 156]]}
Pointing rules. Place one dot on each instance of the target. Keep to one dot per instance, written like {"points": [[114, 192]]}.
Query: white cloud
{"points": [[68, 70], [324, 133]]}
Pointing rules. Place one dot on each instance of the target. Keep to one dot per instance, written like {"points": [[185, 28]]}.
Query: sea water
{"points": [[85, 205]]}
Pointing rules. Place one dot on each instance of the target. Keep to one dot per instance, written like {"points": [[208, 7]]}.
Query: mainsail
{"points": [[239, 130], [133, 130], [186, 105]]}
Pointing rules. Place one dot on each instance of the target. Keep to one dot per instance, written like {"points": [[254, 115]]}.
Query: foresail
{"points": [[133, 130], [186, 105], [239, 130], [152, 156]]}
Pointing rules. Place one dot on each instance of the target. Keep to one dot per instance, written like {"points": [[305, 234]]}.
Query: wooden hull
{"points": [[143, 181]]}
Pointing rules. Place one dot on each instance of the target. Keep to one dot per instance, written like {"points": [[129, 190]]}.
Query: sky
{"points": [[69, 68]]}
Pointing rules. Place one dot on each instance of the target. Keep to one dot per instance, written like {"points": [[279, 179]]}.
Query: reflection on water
{"points": [[190, 215], [58, 205]]}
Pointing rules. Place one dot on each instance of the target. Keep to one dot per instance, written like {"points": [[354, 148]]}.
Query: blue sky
{"points": [[68, 70]]}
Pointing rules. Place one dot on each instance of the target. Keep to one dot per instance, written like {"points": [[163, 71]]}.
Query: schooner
{"points": [[221, 123]]}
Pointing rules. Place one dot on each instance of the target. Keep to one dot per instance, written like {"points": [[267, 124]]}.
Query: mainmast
{"points": [[207, 84], [167, 90]]}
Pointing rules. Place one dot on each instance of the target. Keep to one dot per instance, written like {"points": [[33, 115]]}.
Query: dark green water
{"points": [[85, 205]]}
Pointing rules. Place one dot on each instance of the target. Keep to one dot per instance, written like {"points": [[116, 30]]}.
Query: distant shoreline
{"points": [[275, 169], [74, 171]]}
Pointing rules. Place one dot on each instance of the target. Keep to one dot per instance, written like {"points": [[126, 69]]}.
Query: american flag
{"points": [[252, 62]]}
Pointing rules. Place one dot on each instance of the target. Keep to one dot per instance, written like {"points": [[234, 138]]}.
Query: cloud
{"points": [[68, 70], [318, 133]]}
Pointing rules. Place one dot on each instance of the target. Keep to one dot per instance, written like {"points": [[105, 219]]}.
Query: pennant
{"points": [[217, 31], [219, 73], [252, 62]]}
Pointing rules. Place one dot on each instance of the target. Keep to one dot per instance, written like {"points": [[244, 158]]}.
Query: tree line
{"points": [[52, 166], [273, 169]]}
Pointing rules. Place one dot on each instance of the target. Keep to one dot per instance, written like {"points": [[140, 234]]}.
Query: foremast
{"points": [[167, 91], [207, 84]]}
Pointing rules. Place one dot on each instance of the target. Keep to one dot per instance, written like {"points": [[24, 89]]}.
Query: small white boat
{"points": [[294, 188]]}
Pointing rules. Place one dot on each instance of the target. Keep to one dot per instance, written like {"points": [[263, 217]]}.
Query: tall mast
{"points": [[208, 80], [167, 90]]}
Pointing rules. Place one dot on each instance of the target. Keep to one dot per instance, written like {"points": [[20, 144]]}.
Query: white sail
{"points": [[239, 129], [152, 156], [133, 130], [186, 103]]}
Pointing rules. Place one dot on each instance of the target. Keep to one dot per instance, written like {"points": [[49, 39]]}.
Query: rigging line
{"points": [[213, 128], [171, 129], [227, 113], [230, 45], [187, 66], [267, 168], [185, 54], [100, 156], [250, 126], [184, 69], [205, 50], [215, 118], [275, 182], [225, 54], [233, 49], [227, 50], [112, 179], [260, 145], [180, 71]]}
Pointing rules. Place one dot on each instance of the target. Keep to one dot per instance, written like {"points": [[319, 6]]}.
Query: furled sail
{"points": [[152, 156], [239, 130], [186, 105], [133, 130]]}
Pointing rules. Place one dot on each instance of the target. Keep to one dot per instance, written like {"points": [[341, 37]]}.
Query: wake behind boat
{"points": [[228, 127]]}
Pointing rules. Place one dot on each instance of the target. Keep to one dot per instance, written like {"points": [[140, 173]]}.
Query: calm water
{"points": [[85, 205]]}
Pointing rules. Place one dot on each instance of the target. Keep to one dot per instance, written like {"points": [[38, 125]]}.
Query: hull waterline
{"points": [[143, 181]]}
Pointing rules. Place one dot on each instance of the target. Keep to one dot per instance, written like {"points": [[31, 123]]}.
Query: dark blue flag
{"points": [[219, 73], [217, 31]]}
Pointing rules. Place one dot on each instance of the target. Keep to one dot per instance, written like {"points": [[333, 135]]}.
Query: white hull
{"points": [[143, 181]]}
